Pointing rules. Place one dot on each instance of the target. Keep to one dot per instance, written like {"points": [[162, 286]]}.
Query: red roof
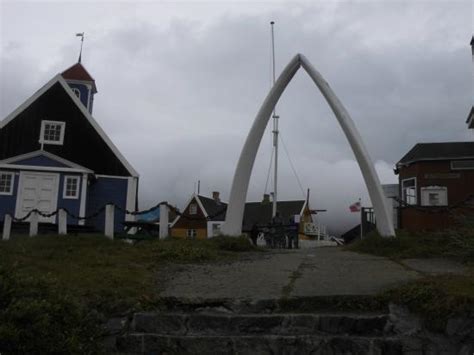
{"points": [[78, 72]]}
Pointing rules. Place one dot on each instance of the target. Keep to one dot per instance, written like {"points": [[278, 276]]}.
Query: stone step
{"points": [[266, 324], [262, 344]]}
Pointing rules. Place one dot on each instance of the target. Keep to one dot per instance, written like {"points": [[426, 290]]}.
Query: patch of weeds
{"points": [[295, 275], [436, 298], [38, 316], [457, 244], [332, 303], [239, 244], [185, 251]]}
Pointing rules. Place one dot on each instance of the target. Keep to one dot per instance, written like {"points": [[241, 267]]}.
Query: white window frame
{"points": [[193, 208], [416, 191], [77, 92], [61, 133], [78, 181], [191, 233], [433, 189], [468, 168], [12, 174]]}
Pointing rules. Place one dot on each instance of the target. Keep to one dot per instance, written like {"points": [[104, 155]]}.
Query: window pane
{"points": [[6, 183]]}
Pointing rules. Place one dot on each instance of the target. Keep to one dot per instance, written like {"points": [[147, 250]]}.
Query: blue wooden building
{"points": [[54, 154]]}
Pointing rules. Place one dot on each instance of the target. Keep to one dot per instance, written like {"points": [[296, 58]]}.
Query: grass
{"points": [[112, 276], [454, 244], [56, 291], [435, 298]]}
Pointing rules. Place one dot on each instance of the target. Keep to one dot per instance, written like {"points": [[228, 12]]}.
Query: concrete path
{"points": [[275, 274]]}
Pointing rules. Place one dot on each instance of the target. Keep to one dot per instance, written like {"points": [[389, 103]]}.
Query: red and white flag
{"points": [[355, 207]]}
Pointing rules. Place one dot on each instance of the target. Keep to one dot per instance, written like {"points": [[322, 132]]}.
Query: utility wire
{"points": [[292, 166]]}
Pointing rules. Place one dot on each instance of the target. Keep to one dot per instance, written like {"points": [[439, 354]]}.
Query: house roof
{"points": [[261, 213], [254, 212], [78, 72], [16, 161], [438, 151], [53, 87], [215, 210]]}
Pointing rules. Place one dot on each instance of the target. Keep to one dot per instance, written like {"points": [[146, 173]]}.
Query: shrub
{"points": [[239, 244], [183, 251], [436, 298], [37, 316], [455, 243]]}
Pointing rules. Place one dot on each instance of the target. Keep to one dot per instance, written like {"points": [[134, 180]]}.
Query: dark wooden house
{"points": [[54, 154], [436, 185]]}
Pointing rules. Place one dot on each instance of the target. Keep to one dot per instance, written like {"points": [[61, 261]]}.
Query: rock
{"points": [[460, 327], [402, 321]]}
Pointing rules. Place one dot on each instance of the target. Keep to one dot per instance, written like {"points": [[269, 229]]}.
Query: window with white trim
{"points": [[6, 183], [77, 92], [409, 191], [193, 208], [52, 132], [71, 187], [191, 233], [434, 196]]}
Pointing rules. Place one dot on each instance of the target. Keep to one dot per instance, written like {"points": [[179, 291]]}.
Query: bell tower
{"points": [[81, 83]]}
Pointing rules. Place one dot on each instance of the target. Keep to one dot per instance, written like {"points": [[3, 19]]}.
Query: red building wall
{"points": [[459, 183]]}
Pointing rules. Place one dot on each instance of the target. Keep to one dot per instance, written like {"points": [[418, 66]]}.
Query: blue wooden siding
{"points": [[105, 190], [72, 205], [40, 160], [8, 202], [84, 90]]}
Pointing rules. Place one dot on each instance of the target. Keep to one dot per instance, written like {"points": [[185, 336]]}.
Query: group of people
{"points": [[277, 234]]}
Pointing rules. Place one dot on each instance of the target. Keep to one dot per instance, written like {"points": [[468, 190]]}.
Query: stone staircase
{"points": [[292, 326], [223, 333]]}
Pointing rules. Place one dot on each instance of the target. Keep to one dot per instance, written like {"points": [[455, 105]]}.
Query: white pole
{"points": [[275, 134], [7, 227], [164, 219], [62, 222], [34, 224], [109, 221]]}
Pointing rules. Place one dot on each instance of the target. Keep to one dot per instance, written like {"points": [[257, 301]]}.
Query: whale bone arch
{"points": [[238, 194]]}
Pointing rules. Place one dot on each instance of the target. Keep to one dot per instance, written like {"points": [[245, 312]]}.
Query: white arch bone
{"points": [[240, 184]]}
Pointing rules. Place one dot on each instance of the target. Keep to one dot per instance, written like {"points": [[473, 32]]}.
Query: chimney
{"points": [[215, 196], [266, 199]]}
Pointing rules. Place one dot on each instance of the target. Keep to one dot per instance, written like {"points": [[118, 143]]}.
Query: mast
{"points": [[275, 132]]}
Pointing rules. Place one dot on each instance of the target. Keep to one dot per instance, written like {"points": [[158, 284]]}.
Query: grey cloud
{"points": [[178, 94]]}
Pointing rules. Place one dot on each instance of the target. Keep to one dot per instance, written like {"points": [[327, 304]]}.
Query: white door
{"points": [[40, 191]]}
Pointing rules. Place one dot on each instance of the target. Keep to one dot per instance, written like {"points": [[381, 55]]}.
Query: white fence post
{"points": [[7, 227], [34, 224], [62, 222], [164, 218], [109, 221]]}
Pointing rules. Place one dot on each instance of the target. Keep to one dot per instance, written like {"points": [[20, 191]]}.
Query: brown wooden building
{"points": [[436, 185]]}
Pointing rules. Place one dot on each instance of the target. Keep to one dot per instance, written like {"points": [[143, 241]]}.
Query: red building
{"points": [[436, 182]]}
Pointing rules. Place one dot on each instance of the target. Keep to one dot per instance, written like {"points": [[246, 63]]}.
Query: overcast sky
{"points": [[181, 82]]}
